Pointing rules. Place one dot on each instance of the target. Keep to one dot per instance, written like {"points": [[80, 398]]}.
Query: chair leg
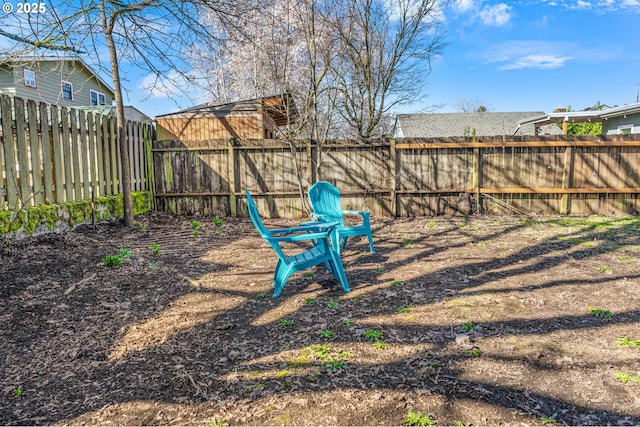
{"points": [[339, 271], [282, 274], [370, 237]]}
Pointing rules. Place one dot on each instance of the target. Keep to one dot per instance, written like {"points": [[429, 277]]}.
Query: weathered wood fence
{"points": [[562, 175], [54, 155]]}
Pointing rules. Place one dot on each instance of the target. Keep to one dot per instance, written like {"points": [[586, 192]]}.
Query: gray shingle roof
{"points": [[441, 125]]}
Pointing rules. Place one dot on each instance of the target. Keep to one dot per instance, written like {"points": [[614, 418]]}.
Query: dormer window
{"points": [[29, 78], [67, 90]]}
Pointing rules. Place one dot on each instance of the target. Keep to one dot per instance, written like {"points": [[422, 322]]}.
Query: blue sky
{"points": [[525, 55]]}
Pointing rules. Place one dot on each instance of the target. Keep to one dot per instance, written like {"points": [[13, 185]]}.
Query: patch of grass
{"points": [[474, 352], [333, 304], [348, 322], [308, 275], [397, 282], [310, 300], [262, 295], [418, 419], [468, 326], [253, 260], [156, 249], [326, 333], [604, 269], [431, 224], [321, 352], [626, 342], [281, 374], [372, 335], [196, 225], [380, 345], [285, 322], [217, 221], [215, 422], [408, 243], [625, 377], [335, 365], [597, 312], [549, 421], [405, 310], [433, 363], [125, 253], [17, 392], [112, 260]]}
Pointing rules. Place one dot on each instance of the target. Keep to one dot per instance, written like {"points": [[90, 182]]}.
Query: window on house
{"points": [[67, 90], [625, 129], [97, 98], [29, 77]]}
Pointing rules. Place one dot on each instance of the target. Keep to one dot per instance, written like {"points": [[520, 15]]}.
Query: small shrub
{"points": [[468, 326], [217, 221]]}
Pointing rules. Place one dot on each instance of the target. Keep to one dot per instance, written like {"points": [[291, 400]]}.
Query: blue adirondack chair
{"points": [[321, 252], [325, 201]]}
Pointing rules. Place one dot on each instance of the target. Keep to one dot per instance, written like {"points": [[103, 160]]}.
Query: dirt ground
{"points": [[477, 320]]}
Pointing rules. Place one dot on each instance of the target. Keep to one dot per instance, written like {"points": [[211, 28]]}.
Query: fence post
{"points": [[34, 148], [477, 175], [312, 153], [395, 178], [567, 180], [233, 207], [47, 158], [151, 180], [23, 154]]}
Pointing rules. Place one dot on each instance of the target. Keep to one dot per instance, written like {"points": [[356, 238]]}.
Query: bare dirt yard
{"points": [[477, 320]]}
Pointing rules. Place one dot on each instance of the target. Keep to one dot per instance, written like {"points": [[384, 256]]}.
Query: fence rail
{"points": [[404, 177], [55, 155]]}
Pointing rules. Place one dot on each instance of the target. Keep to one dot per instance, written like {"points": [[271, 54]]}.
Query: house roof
{"points": [[439, 125], [26, 60], [280, 108], [580, 116]]}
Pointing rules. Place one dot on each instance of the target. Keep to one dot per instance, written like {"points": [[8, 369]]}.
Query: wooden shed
{"points": [[260, 118]]}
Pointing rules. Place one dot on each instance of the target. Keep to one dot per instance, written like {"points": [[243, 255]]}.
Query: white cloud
{"points": [[463, 6], [537, 61], [157, 86], [497, 15]]}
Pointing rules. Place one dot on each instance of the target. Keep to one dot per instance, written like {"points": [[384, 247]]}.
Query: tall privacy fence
{"points": [[559, 175], [53, 155]]}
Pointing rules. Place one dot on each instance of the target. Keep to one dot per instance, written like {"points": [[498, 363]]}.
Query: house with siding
{"points": [[445, 125], [66, 82], [622, 120]]}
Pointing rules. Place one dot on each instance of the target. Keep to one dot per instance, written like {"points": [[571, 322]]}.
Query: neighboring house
{"points": [[623, 120], [260, 118], [443, 125], [67, 82]]}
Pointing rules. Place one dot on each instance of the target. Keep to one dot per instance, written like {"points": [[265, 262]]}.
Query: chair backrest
{"points": [[325, 200], [255, 216]]}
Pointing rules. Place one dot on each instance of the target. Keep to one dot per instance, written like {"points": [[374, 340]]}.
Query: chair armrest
{"points": [[313, 227], [301, 237], [319, 217], [363, 214]]}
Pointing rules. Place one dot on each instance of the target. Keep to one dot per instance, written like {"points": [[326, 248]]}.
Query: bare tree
{"points": [[384, 52], [471, 105], [147, 34]]}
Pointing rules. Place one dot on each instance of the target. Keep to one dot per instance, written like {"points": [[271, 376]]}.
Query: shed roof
{"points": [[438, 125], [280, 108]]}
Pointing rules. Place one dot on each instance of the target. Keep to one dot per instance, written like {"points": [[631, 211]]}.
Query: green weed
{"points": [[468, 326], [405, 310], [217, 221], [474, 352], [597, 312], [17, 392], [549, 420], [626, 342], [218, 423], [418, 419], [380, 345], [326, 333], [333, 304], [156, 249], [196, 225], [308, 275], [348, 322], [262, 295], [372, 335], [285, 322], [625, 377], [112, 260], [397, 282], [335, 365], [311, 300], [125, 253], [605, 269], [408, 243]]}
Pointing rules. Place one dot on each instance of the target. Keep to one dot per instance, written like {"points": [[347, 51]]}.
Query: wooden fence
{"points": [[54, 155], [562, 175]]}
